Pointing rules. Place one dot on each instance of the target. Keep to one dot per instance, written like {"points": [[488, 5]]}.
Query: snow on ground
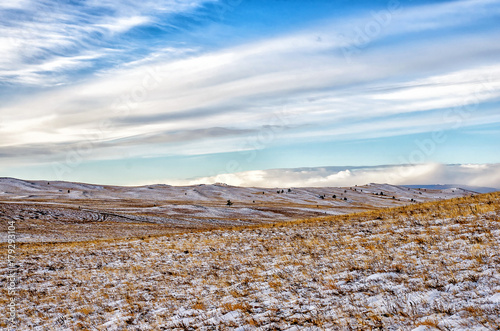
{"points": [[195, 207], [14, 188], [432, 266]]}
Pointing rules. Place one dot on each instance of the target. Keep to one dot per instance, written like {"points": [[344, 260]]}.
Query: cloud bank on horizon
{"points": [[485, 175], [125, 91]]}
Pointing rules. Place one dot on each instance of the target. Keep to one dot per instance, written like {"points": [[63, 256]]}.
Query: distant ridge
{"points": [[477, 189], [87, 210]]}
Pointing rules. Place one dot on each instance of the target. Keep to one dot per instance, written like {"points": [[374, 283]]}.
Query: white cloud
{"points": [[122, 24], [484, 175], [241, 87], [47, 32], [38, 74], [13, 4], [398, 18]]}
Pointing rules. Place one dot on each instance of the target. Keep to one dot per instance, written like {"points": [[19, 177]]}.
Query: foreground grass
{"points": [[432, 265]]}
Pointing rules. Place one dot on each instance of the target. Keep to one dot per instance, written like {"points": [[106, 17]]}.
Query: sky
{"points": [[199, 91]]}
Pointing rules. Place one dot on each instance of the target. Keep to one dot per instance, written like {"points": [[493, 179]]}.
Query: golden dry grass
{"points": [[432, 264]]}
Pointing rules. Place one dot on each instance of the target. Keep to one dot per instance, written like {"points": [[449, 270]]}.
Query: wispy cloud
{"points": [[14, 4], [194, 100], [210, 90], [43, 40]]}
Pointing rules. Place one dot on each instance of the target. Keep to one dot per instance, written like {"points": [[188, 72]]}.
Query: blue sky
{"points": [[127, 92]]}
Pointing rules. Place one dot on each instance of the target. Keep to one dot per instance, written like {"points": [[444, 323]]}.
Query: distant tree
{"points": [[393, 197], [381, 193], [345, 199], [263, 192], [69, 191], [321, 197], [282, 191], [289, 190], [334, 196], [229, 203], [278, 191]]}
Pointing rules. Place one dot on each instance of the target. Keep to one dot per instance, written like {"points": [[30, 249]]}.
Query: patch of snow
{"points": [[495, 298]]}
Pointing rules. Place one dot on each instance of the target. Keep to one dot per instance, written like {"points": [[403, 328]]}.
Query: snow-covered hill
{"points": [[185, 207]]}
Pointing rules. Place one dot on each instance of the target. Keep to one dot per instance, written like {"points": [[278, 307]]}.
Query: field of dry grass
{"points": [[425, 266], [66, 211]]}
